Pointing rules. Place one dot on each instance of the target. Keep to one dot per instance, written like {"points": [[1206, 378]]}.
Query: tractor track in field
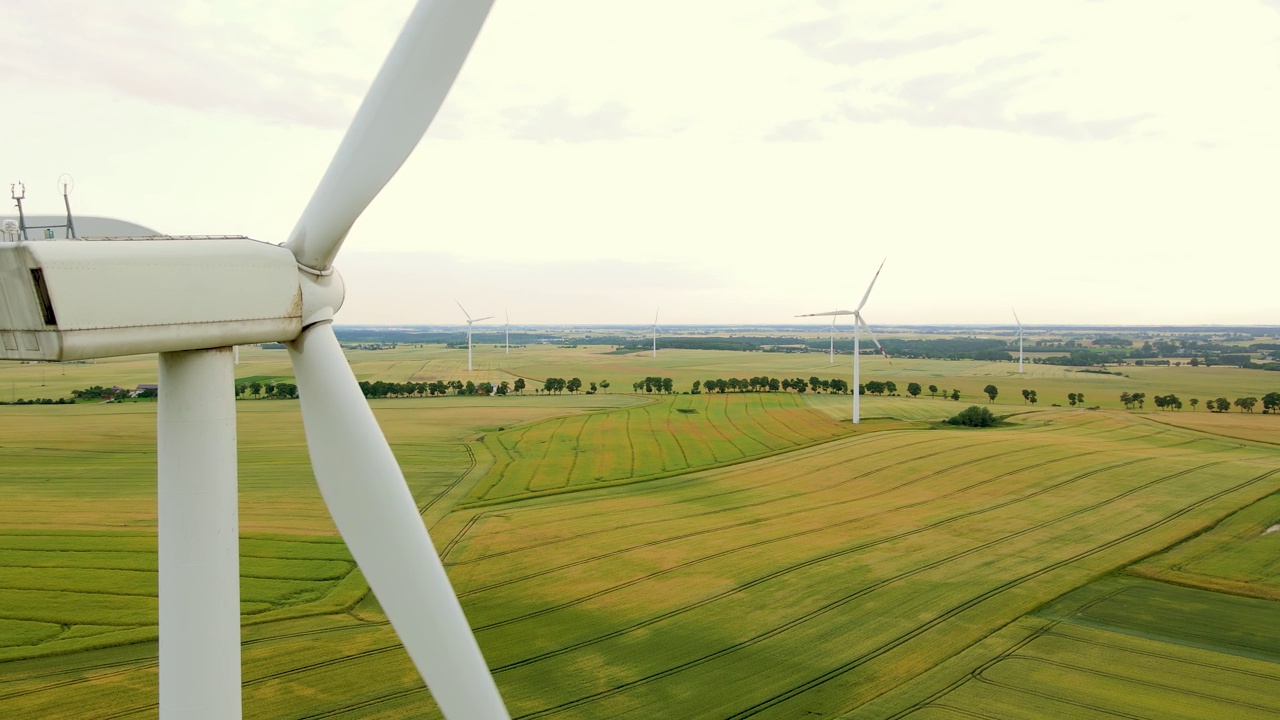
{"points": [[1161, 656], [364, 704], [981, 677], [914, 632], [130, 666], [789, 513], [738, 433], [577, 450], [807, 563], [545, 452], [747, 415], [1007, 585], [471, 466], [932, 699]]}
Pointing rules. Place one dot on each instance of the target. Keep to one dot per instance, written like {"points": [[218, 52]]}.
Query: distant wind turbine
{"points": [[857, 322], [469, 322], [833, 341], [1015, 317], [655, 332]]}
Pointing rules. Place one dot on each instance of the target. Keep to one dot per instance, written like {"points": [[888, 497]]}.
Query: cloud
{"points": [[556, 121], [796, 131], [228, 59], [822, 39]]}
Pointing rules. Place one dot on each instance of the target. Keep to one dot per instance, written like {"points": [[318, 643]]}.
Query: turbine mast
{"points": [[198, 534]]}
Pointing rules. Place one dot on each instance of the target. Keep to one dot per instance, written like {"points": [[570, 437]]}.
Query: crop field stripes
{"points": [[961, 445], [790, 496], [918, 630], [810, 531], [795, 567], [955, 610], [719, 511]]}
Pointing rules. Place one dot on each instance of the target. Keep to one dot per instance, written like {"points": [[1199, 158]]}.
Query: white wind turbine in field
{"points": [[857, 322], [832, 360], [192, 300], [1015, 319], [655, 332], [469, 323]]}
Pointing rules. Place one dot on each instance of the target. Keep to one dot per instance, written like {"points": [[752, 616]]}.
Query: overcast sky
{"points": [[731, 161]]}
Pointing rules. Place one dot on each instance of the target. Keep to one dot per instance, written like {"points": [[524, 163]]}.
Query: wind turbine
{"points": [[192, 300], [833, 341], [857, 322], [1015, 318], [655, 332], [469, 322]]}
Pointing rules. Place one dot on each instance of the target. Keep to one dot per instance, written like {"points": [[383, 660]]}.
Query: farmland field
{"points": [[757, 557]]}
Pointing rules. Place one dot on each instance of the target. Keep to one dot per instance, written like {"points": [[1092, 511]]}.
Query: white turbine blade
{"points": [[873, 284], [366, 494], [867, 327], [464, 312], [483, 318], [1015, 318], [400, 104], [832, 312]]}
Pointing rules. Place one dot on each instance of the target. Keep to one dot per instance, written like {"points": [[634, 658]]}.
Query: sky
{"points": [[726, 161]]}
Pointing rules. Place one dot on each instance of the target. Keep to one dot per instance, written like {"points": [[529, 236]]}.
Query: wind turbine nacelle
{"points": [[79, 299]]}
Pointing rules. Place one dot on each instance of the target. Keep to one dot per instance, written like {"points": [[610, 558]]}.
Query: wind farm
{"points": [[241, 483]]}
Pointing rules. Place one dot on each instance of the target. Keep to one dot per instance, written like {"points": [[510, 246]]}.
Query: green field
{"points": [[620, 556]]}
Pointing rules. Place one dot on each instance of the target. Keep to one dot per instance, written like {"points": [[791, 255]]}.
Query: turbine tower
{"points": [[1015, 318], [192, 300], [469, 322], [857, 322]]}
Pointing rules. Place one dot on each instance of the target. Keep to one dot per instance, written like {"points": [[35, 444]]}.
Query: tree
{"points": [[955, 395], [1080, 398], [991, 391], [891, 387], [1032, 397], [1271, 403], [549, 385], [484, 388], [933, 390], [774, 384], [1194, 403], [519, 386], [239, 389], [974, 416], [1126, 399], [1071, 399], [1219, 405], [604, 384], [1246, 403], [667, 385], [697, 388], [593, 388], [876, 387], [1026, 395], [913, 389], [503, 388], [255, 388], [574, 385]]}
